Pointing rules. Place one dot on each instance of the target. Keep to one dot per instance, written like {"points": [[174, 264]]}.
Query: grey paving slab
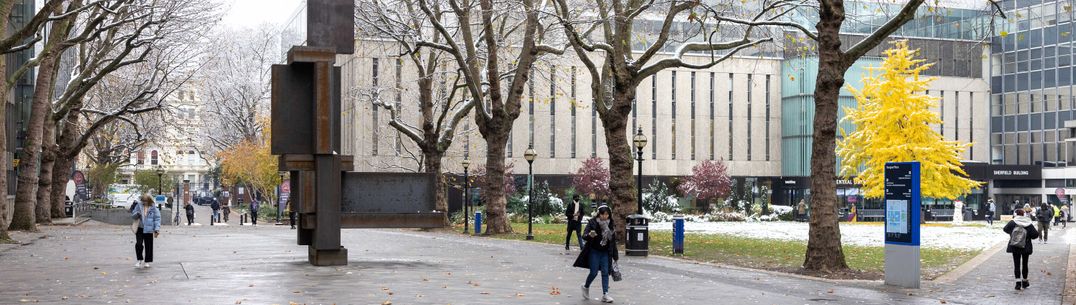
{"points": [[93, 264], [992, 282]]}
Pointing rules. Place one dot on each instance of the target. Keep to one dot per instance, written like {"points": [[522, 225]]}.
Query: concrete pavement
{"points": [[93, 264]]}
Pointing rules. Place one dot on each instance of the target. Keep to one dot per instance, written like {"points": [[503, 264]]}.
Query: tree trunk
{"points": [[824, 251], [433, 166], [45, 210], [621, 178], [30, 161], [5, 12], [65, 159], [493, 193]]}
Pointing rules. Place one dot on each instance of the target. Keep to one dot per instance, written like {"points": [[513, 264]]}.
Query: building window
{"points": [[191, 158], [594, 130], [730, 116], [374, 82], [552, 111], [141, 157], [399, 101], [180, 159], [572, 108], [153, 157], [654, 116], [711, 116], [693, 115], [749, 93], [767, 135], [673, 111]]}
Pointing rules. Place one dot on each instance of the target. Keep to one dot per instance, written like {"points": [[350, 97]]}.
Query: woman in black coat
{"points": [[600, 251], [1020, 254]]}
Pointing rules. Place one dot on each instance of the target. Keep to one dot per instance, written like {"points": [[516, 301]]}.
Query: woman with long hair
{"points": [[148, 218], [599, 252]]}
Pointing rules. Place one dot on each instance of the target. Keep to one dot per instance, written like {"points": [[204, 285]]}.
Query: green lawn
{"points": [[758, 253]]}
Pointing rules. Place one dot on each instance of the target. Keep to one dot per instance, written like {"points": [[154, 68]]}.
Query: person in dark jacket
{"points": [[574, 213], [189, 208], [254, 212], [1044, 214], [215, 205], [1020, 255], [600, 251]]}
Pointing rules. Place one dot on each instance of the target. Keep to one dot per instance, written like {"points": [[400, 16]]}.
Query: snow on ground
{"points": [[959, 237]]}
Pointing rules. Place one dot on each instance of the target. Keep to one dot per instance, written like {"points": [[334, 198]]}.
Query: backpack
{"points": [[1017, 237]]}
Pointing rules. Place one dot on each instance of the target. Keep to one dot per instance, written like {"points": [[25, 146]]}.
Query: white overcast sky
{"points": [[250, 13]]}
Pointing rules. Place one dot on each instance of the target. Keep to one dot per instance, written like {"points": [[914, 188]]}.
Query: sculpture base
{"points": [[327, 257]]}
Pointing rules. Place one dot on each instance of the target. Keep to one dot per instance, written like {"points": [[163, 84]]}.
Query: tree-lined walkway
{"points": [[93, 264]]}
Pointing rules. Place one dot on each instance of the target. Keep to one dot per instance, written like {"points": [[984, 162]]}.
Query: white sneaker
{"points": [[586, 292], [145, 265], [606, 298], [138, 265]]}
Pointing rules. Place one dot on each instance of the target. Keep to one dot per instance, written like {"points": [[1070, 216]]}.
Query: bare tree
{"points": [[606, 36], [11, 43], [441, 106], [235, 85], [147, 39], [494, 44]]}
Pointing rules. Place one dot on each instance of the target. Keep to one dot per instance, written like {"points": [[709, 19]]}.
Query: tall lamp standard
{"points": [[466, 196], [529, 155], [160, 181], [640, 142]]}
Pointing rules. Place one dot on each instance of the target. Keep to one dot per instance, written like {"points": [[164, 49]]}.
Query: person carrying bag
{"points": [[600, 252]]}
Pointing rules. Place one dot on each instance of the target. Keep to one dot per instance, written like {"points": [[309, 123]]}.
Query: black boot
{"points": [[1018, 285], [1025, 284]]}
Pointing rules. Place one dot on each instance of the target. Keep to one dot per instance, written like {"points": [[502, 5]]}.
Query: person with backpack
{"points": [[1021, 231], [215, 205], [1044, 215]]}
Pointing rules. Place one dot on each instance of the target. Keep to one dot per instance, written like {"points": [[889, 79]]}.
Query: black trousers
{"points": [[291, 218], [1018, 260], [254, 217], [577, 227], [144, 242], [190, 219]]}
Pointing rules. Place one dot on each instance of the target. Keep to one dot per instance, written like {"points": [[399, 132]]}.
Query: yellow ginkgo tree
{"points": [[893, 122]]}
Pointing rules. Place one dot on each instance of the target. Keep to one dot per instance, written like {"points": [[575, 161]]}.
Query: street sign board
{"points": [[902, 204]]}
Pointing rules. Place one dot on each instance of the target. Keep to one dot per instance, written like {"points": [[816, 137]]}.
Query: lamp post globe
{"points": [[466, 194], [529, 155]]}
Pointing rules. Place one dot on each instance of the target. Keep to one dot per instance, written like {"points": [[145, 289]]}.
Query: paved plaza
{"points": [[93, 264]]}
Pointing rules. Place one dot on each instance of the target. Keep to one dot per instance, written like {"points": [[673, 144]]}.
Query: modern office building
{"points": [[1032, 126]]}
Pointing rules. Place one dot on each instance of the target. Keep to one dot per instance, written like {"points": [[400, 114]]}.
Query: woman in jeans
{"points": [[149, 228], [1021, 254], [600, 251]]}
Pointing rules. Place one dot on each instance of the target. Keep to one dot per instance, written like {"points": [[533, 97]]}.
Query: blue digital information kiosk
{"points": [[902, 208]]}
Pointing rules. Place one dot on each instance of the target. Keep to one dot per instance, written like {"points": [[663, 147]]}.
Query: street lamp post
{"points": [[466, 196], [529, 155], [160, 179], [638, 225], [640, 142]]}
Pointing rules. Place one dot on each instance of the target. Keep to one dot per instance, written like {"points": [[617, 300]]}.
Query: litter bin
{"points": [[678, 234], [638, 235], [477, 223], [69, 209]]}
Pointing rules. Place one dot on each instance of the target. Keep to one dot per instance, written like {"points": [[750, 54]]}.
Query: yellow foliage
{"points": [[250, 162], [893, 124]]}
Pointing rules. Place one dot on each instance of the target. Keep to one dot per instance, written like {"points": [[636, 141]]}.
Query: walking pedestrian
{"points": [[574, 213], [991, 209], [1057, 214], [1044, 214], [801, 210], [189, 208], [215, 205], [226, 209], [1021, 231], [149, 219], [254, 212], [291, 213], [600, 252]]}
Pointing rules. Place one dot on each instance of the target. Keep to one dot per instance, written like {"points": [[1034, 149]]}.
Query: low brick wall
{"points": [[122, 217]]}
